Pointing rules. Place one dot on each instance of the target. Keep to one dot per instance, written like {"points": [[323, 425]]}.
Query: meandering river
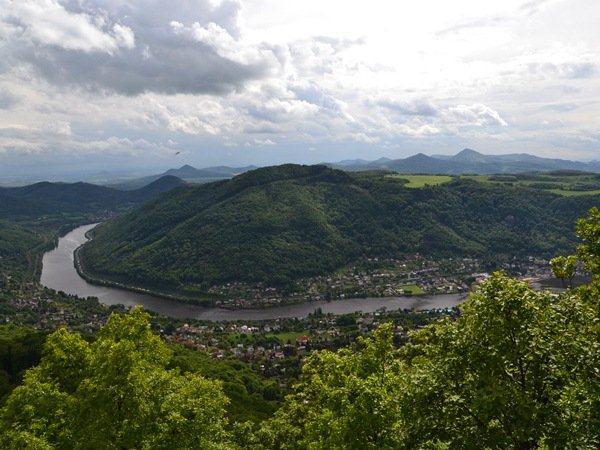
{"points": [[59, 273]]}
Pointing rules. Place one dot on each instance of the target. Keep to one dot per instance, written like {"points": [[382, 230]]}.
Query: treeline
{"points": [[278, 224], [518, 369]]}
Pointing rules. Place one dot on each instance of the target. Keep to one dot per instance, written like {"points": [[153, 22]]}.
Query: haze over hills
{"points": [[277, 224], [187, 173], [467, 161], [470, 161]]}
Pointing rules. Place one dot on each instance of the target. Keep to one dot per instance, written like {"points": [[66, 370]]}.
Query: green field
{"points": [[413, 289], [574, 193], [564, 183], [419, 181], [291, 336]]}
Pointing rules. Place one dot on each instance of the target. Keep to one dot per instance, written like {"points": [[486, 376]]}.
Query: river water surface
{"points": [[59, 273]]}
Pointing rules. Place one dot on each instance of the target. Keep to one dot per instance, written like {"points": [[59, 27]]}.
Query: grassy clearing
{"points": [[480, 178], [413, 289], [566, 184], [419, 181], [291, 336], [573, 193]]}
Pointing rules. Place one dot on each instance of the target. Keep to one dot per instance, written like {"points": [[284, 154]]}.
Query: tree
{"points": [[345, 400], [502, 374], [563, 268], [517, 369], [588, 229], [113, 393]]}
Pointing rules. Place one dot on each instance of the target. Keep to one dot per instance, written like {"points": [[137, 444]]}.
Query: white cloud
{"points": [[263, 142], [476, 114], [131, 48], [48, 23], [283, 75]]}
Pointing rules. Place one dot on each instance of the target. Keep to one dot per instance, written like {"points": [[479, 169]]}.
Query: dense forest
{"points": [[48, 206], [518, 369], [278, 224]]}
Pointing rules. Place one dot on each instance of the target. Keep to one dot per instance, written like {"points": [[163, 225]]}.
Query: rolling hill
{"points": [[187, 173], [278, 224], [45, 198]]}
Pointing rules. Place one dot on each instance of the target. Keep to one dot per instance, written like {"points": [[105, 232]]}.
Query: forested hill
{"points": [[45, 198], [280, 223]]}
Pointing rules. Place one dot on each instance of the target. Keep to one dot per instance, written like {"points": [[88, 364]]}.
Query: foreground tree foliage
{"points": [[518, 369], [113, 393]]}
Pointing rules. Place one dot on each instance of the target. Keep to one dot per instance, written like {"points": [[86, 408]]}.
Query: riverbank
{"points": [[80, 268], [220, 299], [59, 273]]}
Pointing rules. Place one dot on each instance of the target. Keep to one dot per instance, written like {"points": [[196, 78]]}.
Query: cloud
{"points": [[263, 142], [47, 23], [480, 22], [474, 115], [418, 107], [7, 99], [533, 6], [573, 70], [561, 107], [134, 47]]}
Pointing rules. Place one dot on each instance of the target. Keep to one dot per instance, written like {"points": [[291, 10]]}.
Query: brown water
{"points": [[59, 273]]}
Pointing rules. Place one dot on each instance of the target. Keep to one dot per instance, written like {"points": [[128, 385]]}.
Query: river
{"points": [[59, 273]]}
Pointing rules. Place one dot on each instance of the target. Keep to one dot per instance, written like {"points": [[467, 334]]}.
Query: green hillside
{"points": [[60, 207], [20, 252], [281, 223]]}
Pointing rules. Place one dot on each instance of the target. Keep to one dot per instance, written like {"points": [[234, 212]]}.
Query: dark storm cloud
{"points": [[133, 47]]}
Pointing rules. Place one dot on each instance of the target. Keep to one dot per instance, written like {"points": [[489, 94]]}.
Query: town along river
{"points": [[59, 273]]}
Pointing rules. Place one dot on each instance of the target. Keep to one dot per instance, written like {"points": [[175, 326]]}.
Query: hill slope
{"points": [[281, 223], [45, 198]]}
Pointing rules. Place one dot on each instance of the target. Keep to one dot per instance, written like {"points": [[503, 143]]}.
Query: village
{"points": [[375, 277], [42, 308], [275, 348]]}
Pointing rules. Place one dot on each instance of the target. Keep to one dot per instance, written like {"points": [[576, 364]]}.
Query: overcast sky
{"points": [[89, 85]]}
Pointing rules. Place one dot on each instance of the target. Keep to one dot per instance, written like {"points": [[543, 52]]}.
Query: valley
{"points": [[295, 233], [301, 261]]}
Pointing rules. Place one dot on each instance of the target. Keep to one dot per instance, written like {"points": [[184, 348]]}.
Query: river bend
{"points": [[59, 273]]}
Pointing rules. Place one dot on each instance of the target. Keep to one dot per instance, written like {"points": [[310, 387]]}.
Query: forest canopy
{"points": [[518, 368]]}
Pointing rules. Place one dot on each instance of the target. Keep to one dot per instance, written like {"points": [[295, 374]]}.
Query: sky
{"points": [[90, 86]]}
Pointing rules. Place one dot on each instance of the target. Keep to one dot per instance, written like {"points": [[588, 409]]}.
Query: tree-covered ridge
{"points": [[53, 205], [279, 224]]}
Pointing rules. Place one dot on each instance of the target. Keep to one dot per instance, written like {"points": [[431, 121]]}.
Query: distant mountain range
{"points": [[465, 162], [187, 173], [469, 161]]}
